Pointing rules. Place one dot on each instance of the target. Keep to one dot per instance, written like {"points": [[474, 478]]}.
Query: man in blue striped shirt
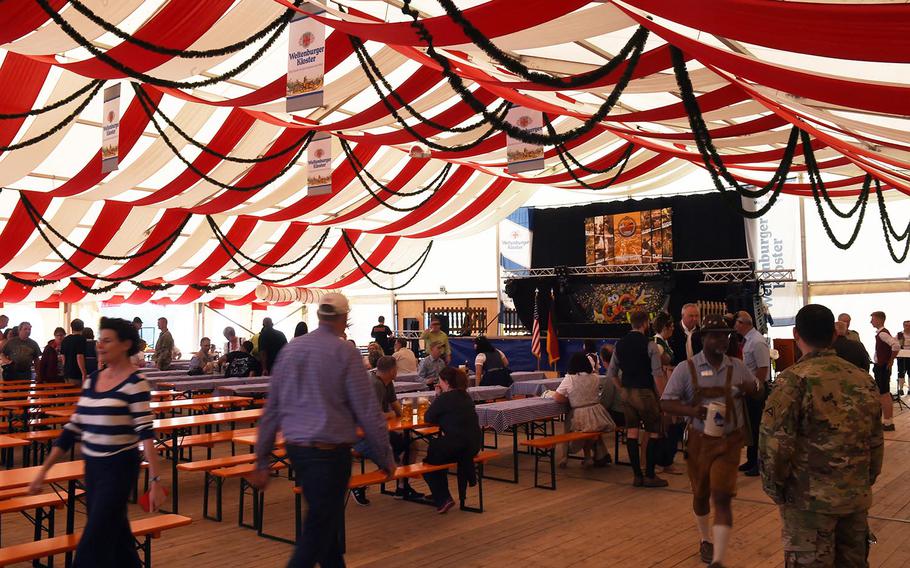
{"points": [[318, 394]]}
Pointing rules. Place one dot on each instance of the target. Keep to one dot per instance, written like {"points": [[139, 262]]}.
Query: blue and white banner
{"points": [[110, 129], [319, 165], [306, 61], [774, 241], [523, 157], [514, 246]]}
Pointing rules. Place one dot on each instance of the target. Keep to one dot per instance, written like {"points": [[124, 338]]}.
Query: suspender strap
{"points": [[728, 395], [693, 376]]}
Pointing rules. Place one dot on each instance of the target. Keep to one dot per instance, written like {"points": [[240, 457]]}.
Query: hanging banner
{"points": [[306, 61], [636, 237], [514, 247], [773, 241], [319, 165], [110, 129], [524, 157]]}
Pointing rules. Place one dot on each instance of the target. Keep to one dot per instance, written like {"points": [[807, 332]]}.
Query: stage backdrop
{"points": [[704, 227]]}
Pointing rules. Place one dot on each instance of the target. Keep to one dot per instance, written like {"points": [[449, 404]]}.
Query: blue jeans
{"points": [[323, 477]]}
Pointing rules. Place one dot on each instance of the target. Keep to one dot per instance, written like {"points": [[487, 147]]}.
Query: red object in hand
{"points": [[145, 500]]}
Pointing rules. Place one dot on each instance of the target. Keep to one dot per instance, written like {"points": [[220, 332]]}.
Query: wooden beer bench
{"points": [[545, 449]]}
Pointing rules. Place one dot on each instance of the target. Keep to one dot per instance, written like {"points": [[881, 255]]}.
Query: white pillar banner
{"points": [[774, 243], [514, 247], [306, 61], [524, 157], [110, 129], [319, 165]]}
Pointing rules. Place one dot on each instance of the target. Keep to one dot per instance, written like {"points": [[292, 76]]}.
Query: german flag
{"points": [[552, 337]]}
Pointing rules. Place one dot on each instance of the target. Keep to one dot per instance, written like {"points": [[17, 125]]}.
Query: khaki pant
{"points": [[816, 540]]}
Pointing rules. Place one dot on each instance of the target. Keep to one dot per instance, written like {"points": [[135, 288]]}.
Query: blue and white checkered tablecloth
{"points": [[503, 415], [534, 388], [479, 394], [521, 376], [404, 386]]}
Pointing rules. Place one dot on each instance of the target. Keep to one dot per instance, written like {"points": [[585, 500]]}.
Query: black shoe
{"points": [[888, 427], [638, 481], [408, 493], [654, 482], [746, 466], [754, 472], [360, 496], [706, 551], [900, 392], [603, 462]]}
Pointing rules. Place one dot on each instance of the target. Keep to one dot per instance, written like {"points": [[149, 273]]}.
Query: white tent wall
{"points": [[43, 320]]}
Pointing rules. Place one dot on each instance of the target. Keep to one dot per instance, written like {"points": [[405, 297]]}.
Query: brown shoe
{"points": [[654, 482], [706, 551], [638, 481]]}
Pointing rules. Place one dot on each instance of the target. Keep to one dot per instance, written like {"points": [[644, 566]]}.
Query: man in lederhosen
{"points": [[712, 377]]}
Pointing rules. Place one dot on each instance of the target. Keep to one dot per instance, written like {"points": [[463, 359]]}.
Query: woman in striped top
{"points": [[112, 418]]}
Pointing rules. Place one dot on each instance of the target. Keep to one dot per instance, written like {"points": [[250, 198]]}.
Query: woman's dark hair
{"points": [[373, 358], [455, 378], [12, 332], [661, 321], [88, 334], [125, 331], [482, 345], [301, 329], [590, 346], [401, 341], [579, 363], [59, 330]]}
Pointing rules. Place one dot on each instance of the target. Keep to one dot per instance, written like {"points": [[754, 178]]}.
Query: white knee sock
{"points": [[721, 539], [704, 527]]}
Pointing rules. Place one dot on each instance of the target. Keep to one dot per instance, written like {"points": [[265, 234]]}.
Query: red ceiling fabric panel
{"points": [[132, 124], [455, 182], [330, 262], [291, 235], [494, 18], [337, 49], [22, 79], [879, 97], [189, 296], [238, 233], [341, 177], [379, 254], [21, 17], [109, 221], [468, 213], [235, 126], [169, 222], [13, 291], [865, 32], [20, 227], [177, 26]]}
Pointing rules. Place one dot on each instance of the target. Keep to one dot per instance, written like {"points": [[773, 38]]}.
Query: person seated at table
{"points": [[460, 437], [381, 378], [374, 352], [431, 365], [404, 357], [490, 365], [241, 363], [580, 389], [202, 361]]}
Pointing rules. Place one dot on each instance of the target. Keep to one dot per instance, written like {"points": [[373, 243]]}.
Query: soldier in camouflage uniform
{"points": [[821, 449]]}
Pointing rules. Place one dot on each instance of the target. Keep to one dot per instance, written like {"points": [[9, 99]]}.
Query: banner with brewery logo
{"points": [[514, 248], [110, 129], [319, 165], [306, 61], [636, 237], [523, 157]]}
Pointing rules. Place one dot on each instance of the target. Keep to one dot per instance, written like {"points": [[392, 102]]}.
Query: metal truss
{"points": [[713, 271]]}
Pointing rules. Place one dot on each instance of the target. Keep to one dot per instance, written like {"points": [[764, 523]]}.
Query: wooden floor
{"points": [[595, 518]]}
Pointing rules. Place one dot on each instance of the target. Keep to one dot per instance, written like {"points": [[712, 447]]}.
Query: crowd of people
{"points": [[814, 434]]}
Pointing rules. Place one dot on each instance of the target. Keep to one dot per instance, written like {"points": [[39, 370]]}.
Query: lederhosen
{"points": [[713, 461]]}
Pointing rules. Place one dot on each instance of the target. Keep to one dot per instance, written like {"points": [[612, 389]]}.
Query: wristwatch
{"points": [[155, 479]]}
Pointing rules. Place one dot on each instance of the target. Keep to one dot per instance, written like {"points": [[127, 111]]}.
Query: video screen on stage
{"points": [[637, 237]]}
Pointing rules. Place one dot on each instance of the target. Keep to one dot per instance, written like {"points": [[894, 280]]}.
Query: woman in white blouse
{"points": [[581, 390]]}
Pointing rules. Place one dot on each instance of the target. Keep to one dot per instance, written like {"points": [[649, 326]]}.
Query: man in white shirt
{"points": [[886, 348], [757, 357], [405, 359]]}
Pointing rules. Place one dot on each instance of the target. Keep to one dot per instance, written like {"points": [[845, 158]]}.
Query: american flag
{"points": [[535, 329]]}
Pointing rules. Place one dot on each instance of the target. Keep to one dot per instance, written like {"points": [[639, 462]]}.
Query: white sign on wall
{"points": [[306, 61], [110, 129]]}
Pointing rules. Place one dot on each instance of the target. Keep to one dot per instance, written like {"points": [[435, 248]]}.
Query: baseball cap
{"points": [[333, 304]]}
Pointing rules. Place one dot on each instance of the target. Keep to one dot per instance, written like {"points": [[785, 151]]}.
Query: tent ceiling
{"points": [[755, 69]]}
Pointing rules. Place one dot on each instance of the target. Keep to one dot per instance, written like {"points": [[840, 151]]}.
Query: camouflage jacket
{"points": [[820, 442]]}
